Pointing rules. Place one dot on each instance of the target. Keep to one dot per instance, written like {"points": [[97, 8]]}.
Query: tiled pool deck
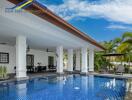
{"points": [[126, 76]]}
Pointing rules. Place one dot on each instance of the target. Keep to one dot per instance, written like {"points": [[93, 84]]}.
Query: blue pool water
{"points": [[71, 87]]}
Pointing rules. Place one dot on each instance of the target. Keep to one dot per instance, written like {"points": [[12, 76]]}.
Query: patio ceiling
{"points": [[40, 33]]}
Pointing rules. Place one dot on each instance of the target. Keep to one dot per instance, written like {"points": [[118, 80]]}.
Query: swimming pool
{"points": [[70, 87]]}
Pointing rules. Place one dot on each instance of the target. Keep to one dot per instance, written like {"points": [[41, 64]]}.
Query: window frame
{"points": [[7, 59], [32, 57]]}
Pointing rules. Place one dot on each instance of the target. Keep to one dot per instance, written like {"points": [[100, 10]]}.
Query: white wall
{"points": [[12, 57], [39, 56]]}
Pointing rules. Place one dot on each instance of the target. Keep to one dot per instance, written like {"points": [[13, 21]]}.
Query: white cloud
{"points": [[121, 27], [112, 10]]}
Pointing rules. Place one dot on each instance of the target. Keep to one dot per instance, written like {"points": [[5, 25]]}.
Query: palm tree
{"points": [[118, 45], [126, 46], [111, 45]]}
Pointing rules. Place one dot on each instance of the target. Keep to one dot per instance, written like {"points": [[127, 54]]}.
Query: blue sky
{"points": [[103, 20]]}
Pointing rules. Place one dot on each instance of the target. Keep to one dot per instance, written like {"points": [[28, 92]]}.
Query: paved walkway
{"points": [[127, 76], [33, 75]]}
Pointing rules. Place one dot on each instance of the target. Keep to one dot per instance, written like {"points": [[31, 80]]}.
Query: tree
{"points": [[126, 46], [117, 45], [111, 45], [100, 61]]}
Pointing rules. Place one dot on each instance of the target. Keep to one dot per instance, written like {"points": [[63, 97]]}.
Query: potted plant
{"points": [[4, 72], [1, 72]]}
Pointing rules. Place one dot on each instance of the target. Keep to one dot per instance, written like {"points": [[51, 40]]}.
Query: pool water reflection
{"points": [[70, 87]]}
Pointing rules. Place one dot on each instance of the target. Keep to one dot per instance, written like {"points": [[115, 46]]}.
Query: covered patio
{"points": [[45, 37]]}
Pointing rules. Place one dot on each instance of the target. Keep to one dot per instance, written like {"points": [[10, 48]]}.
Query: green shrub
{"points": [[3, 72], [0, 71]]}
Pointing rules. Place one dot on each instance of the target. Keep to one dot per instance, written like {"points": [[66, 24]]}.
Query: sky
{"points": [[103, 20]]}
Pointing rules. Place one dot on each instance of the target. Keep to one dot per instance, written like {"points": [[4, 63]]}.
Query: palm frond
{"points": [[128, 41], [123, 47], [127, 35]]}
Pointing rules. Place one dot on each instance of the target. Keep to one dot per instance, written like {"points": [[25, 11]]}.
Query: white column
{"points": [[59, 51], [78, 60], [91, 60], [21, 57], [70, 60], [84, 68]]}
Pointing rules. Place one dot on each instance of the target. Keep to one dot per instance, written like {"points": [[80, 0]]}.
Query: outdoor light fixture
{"points": [[3, 43]]}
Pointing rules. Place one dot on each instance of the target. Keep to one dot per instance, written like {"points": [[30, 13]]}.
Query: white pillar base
{"points": [[22, 78], [60, 73]]}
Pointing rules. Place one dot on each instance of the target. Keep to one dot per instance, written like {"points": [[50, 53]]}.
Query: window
{"points": [[4, 57], [30, 60], [51, 60]]}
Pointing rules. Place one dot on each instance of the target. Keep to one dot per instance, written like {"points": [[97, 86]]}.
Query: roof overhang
{"points": [[46, 14]]}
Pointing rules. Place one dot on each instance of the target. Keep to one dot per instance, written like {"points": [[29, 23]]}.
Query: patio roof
{"points": [[48, 15]]}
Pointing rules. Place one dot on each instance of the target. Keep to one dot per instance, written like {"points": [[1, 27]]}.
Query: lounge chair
{"points": [[52, 68], [30, 69], [40, 68], [120, 69]]}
